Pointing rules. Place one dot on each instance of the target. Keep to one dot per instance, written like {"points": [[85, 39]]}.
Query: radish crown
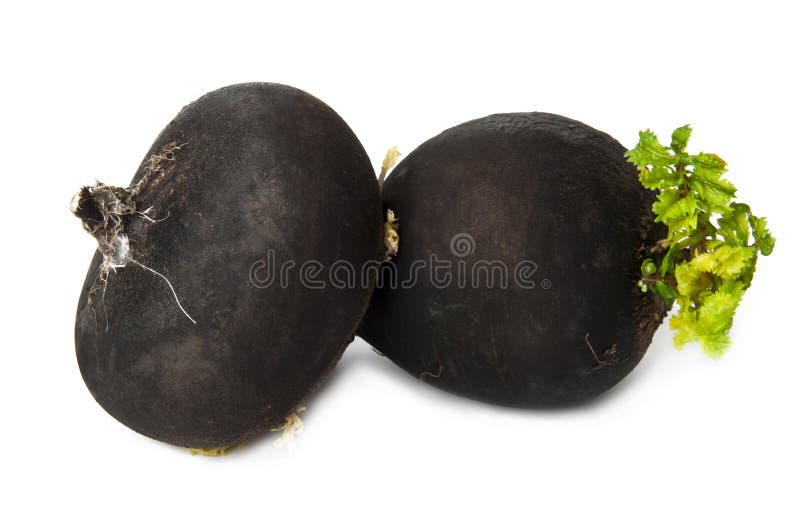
{"points": [[708, 259]]}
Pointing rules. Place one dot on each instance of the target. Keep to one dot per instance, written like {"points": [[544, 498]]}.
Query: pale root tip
{"points": [[214, 452], [291, 427], [75, 203]]}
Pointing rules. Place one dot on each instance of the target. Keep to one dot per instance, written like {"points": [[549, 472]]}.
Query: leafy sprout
{"points": [[707, 261]]}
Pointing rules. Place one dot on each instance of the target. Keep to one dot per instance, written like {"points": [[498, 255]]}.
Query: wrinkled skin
{"points": [[261, 167], [525, 187]]}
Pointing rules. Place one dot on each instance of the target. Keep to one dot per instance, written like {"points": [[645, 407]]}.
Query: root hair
{"points": [[107, 210]]}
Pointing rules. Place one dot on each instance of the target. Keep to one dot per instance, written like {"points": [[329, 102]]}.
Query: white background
{"points": [[86, 88]]}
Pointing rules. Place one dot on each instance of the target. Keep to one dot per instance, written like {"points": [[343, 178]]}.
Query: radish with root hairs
{"points": [[173, 337]]}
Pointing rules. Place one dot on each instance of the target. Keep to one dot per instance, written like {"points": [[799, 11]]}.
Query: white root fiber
{"points": [[105, 212], [291, 427]]}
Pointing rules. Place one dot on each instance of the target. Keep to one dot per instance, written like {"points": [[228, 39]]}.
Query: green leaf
{"points": [[649, 152], [708, 165], [708, 258], [680, 137], [715, 315], [735, 226], [732, 260], [764, 239], [725, 262], [648, 267], [686, 224], [713, 194], [689, 279], [741, 221], [714, 346], [666, 262], [667, 293], [684, 323], [659, 177], [671, 205]]}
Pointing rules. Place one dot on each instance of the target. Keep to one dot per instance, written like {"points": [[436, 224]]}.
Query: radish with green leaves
{"points": [[611, 257]]}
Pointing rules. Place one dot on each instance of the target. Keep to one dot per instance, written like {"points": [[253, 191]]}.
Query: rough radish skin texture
{"points": [[527, 186], [260, 167]]}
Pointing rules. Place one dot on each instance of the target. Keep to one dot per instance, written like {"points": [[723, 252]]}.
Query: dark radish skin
{"points": [[523, 187], [242, 171]]}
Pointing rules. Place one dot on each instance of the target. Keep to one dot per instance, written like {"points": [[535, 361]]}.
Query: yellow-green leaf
{"points": [[680, 137]]}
